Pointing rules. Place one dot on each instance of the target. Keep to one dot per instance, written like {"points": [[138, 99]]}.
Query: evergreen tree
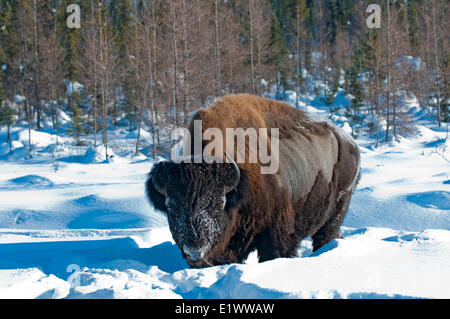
{"points": [[3, 67], [121, 32], [78, 125], [8, 48], [279, 57], [71, 41], [7, 119], [356, 89], [332, 92], [413, 28]]}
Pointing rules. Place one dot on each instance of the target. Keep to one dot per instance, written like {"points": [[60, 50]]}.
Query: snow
{"points": [[414, 63], [75, 225], [19, 98], [31, 283], [73, 86]]}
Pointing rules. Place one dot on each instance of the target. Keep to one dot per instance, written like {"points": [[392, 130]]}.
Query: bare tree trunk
{"points": [[53, 77], [137, 61], [185, 67], [103, 57], [394, 107], [388, 70], [230, 60], [9, 138], [259, 77], [138, 137], [427, 27], [438, 93], [157, 120], [377, 111], [29, 126], [36, 67], [174, 65], [252, 59], [297, 65], [217, 48]]}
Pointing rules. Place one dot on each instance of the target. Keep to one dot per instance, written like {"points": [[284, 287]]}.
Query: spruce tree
{"points": [[71, 41], [3, 67], [78, 125], [7, 119], [279, 57], [8, 48], [413, 28], [121, 32], [356, 89]]}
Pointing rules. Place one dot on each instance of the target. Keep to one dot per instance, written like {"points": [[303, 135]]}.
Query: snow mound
{"points": [[144, 135], [31, 180], [38, 139], [4, 147], [31, 283], [98, 155]]}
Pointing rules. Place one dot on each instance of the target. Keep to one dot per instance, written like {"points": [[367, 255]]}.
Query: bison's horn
{"points": [[238, 174], [160, 189]]}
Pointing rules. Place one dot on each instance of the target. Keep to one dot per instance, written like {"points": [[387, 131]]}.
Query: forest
{"points": [[152, 62]]}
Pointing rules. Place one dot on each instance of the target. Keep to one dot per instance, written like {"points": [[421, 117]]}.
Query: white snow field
{"points": [[73, 226]]}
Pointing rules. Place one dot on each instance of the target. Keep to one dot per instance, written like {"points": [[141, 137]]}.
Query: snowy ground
{"points": [[74, 227]]}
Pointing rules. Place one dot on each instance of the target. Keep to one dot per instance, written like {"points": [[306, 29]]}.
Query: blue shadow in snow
{"points": [[327, 247], [433, 199], [55, 257], [231, 286]]}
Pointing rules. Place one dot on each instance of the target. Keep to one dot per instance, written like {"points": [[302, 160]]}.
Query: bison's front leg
{"points": [[330, 230], [272, 244]]}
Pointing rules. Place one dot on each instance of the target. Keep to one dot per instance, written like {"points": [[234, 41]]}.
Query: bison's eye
{"points": [[169, 203]]}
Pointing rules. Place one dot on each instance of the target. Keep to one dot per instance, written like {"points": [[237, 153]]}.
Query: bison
{"points": [[220, 212]]}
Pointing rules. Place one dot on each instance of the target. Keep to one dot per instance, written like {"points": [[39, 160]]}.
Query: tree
{"points": [[301, 13], [356, 89], [90, 66], [261, 9], [7, 119], [279, 56], [372, 52], [413, 28], [36, 65], [252, 59], [77, 128], [144, 69], [9, 48], [2, 66], [437, 68], [217, 49], [71, 43], [119, 12], [51, 59], [107, 65]]}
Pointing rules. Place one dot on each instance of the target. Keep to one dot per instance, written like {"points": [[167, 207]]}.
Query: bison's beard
{"points": [[198, 240], [200, 264]]}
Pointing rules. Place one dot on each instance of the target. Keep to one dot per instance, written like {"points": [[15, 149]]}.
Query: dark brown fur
{"points": [[263, 213]]}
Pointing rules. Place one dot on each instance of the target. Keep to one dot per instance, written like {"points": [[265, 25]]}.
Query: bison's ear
{"points": [[239, 196], [156, 185]]}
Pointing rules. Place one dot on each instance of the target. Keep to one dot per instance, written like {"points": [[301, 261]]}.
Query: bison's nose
{"points": [[192, 253]]}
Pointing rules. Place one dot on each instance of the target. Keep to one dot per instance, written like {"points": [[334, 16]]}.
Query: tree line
{"points": [[155, 61]]}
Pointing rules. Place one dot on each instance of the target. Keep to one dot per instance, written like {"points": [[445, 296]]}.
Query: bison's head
{"points": [[199, 200]]}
